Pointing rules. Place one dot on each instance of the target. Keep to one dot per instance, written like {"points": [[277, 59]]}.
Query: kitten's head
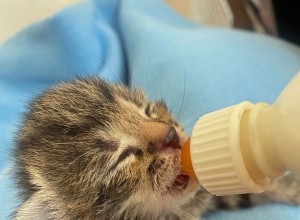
{"points": [[90, 146]]}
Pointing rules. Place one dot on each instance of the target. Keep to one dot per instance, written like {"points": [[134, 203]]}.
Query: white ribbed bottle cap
{"points": [[216, 153]]}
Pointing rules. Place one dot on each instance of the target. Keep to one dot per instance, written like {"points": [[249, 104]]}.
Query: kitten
{"points": [[89, 149]]}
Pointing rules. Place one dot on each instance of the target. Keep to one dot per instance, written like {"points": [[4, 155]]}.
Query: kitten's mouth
{"points": [[180, 183], [182, 180]]}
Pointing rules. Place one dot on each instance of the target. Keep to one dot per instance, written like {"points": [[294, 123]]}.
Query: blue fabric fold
{"points": [[202, 68], [195, 69]]}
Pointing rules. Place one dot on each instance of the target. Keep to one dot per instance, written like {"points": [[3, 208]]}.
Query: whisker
{"points": [[147, 71], [190, 123], [132, 75], [112, 72], [185, 108], [145, 82], [102, 67], [184, 102]]}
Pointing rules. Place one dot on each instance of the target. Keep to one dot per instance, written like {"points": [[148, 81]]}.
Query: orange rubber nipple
{"points": [[186, 161]]}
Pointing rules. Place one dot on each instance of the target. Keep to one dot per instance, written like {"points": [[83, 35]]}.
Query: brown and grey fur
{"points": [[89, 149]]}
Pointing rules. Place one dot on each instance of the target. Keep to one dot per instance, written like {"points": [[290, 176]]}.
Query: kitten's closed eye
{"points": [[153, 108], [129, 151]]}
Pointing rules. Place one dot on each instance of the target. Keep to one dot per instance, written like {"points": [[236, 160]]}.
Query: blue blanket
{"points": [[195, 69]]}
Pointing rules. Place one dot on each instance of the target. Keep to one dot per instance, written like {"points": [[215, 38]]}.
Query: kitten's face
{"points": [[96, 146]]}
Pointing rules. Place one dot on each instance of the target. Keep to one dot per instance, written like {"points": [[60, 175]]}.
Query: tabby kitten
{"points": [[89, 149]]}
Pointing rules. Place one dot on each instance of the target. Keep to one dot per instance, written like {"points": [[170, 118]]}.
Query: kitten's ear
{"points": [[35, 208]]}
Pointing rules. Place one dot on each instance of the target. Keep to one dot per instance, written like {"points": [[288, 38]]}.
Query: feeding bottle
{"points": [[241, 148]]}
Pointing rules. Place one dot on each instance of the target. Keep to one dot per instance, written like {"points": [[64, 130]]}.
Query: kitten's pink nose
{"points": [[160, 137], [171, 140]]}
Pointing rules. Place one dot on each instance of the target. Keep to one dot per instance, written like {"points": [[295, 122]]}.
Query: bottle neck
{"points": [[275, 139], [258, 142]]}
